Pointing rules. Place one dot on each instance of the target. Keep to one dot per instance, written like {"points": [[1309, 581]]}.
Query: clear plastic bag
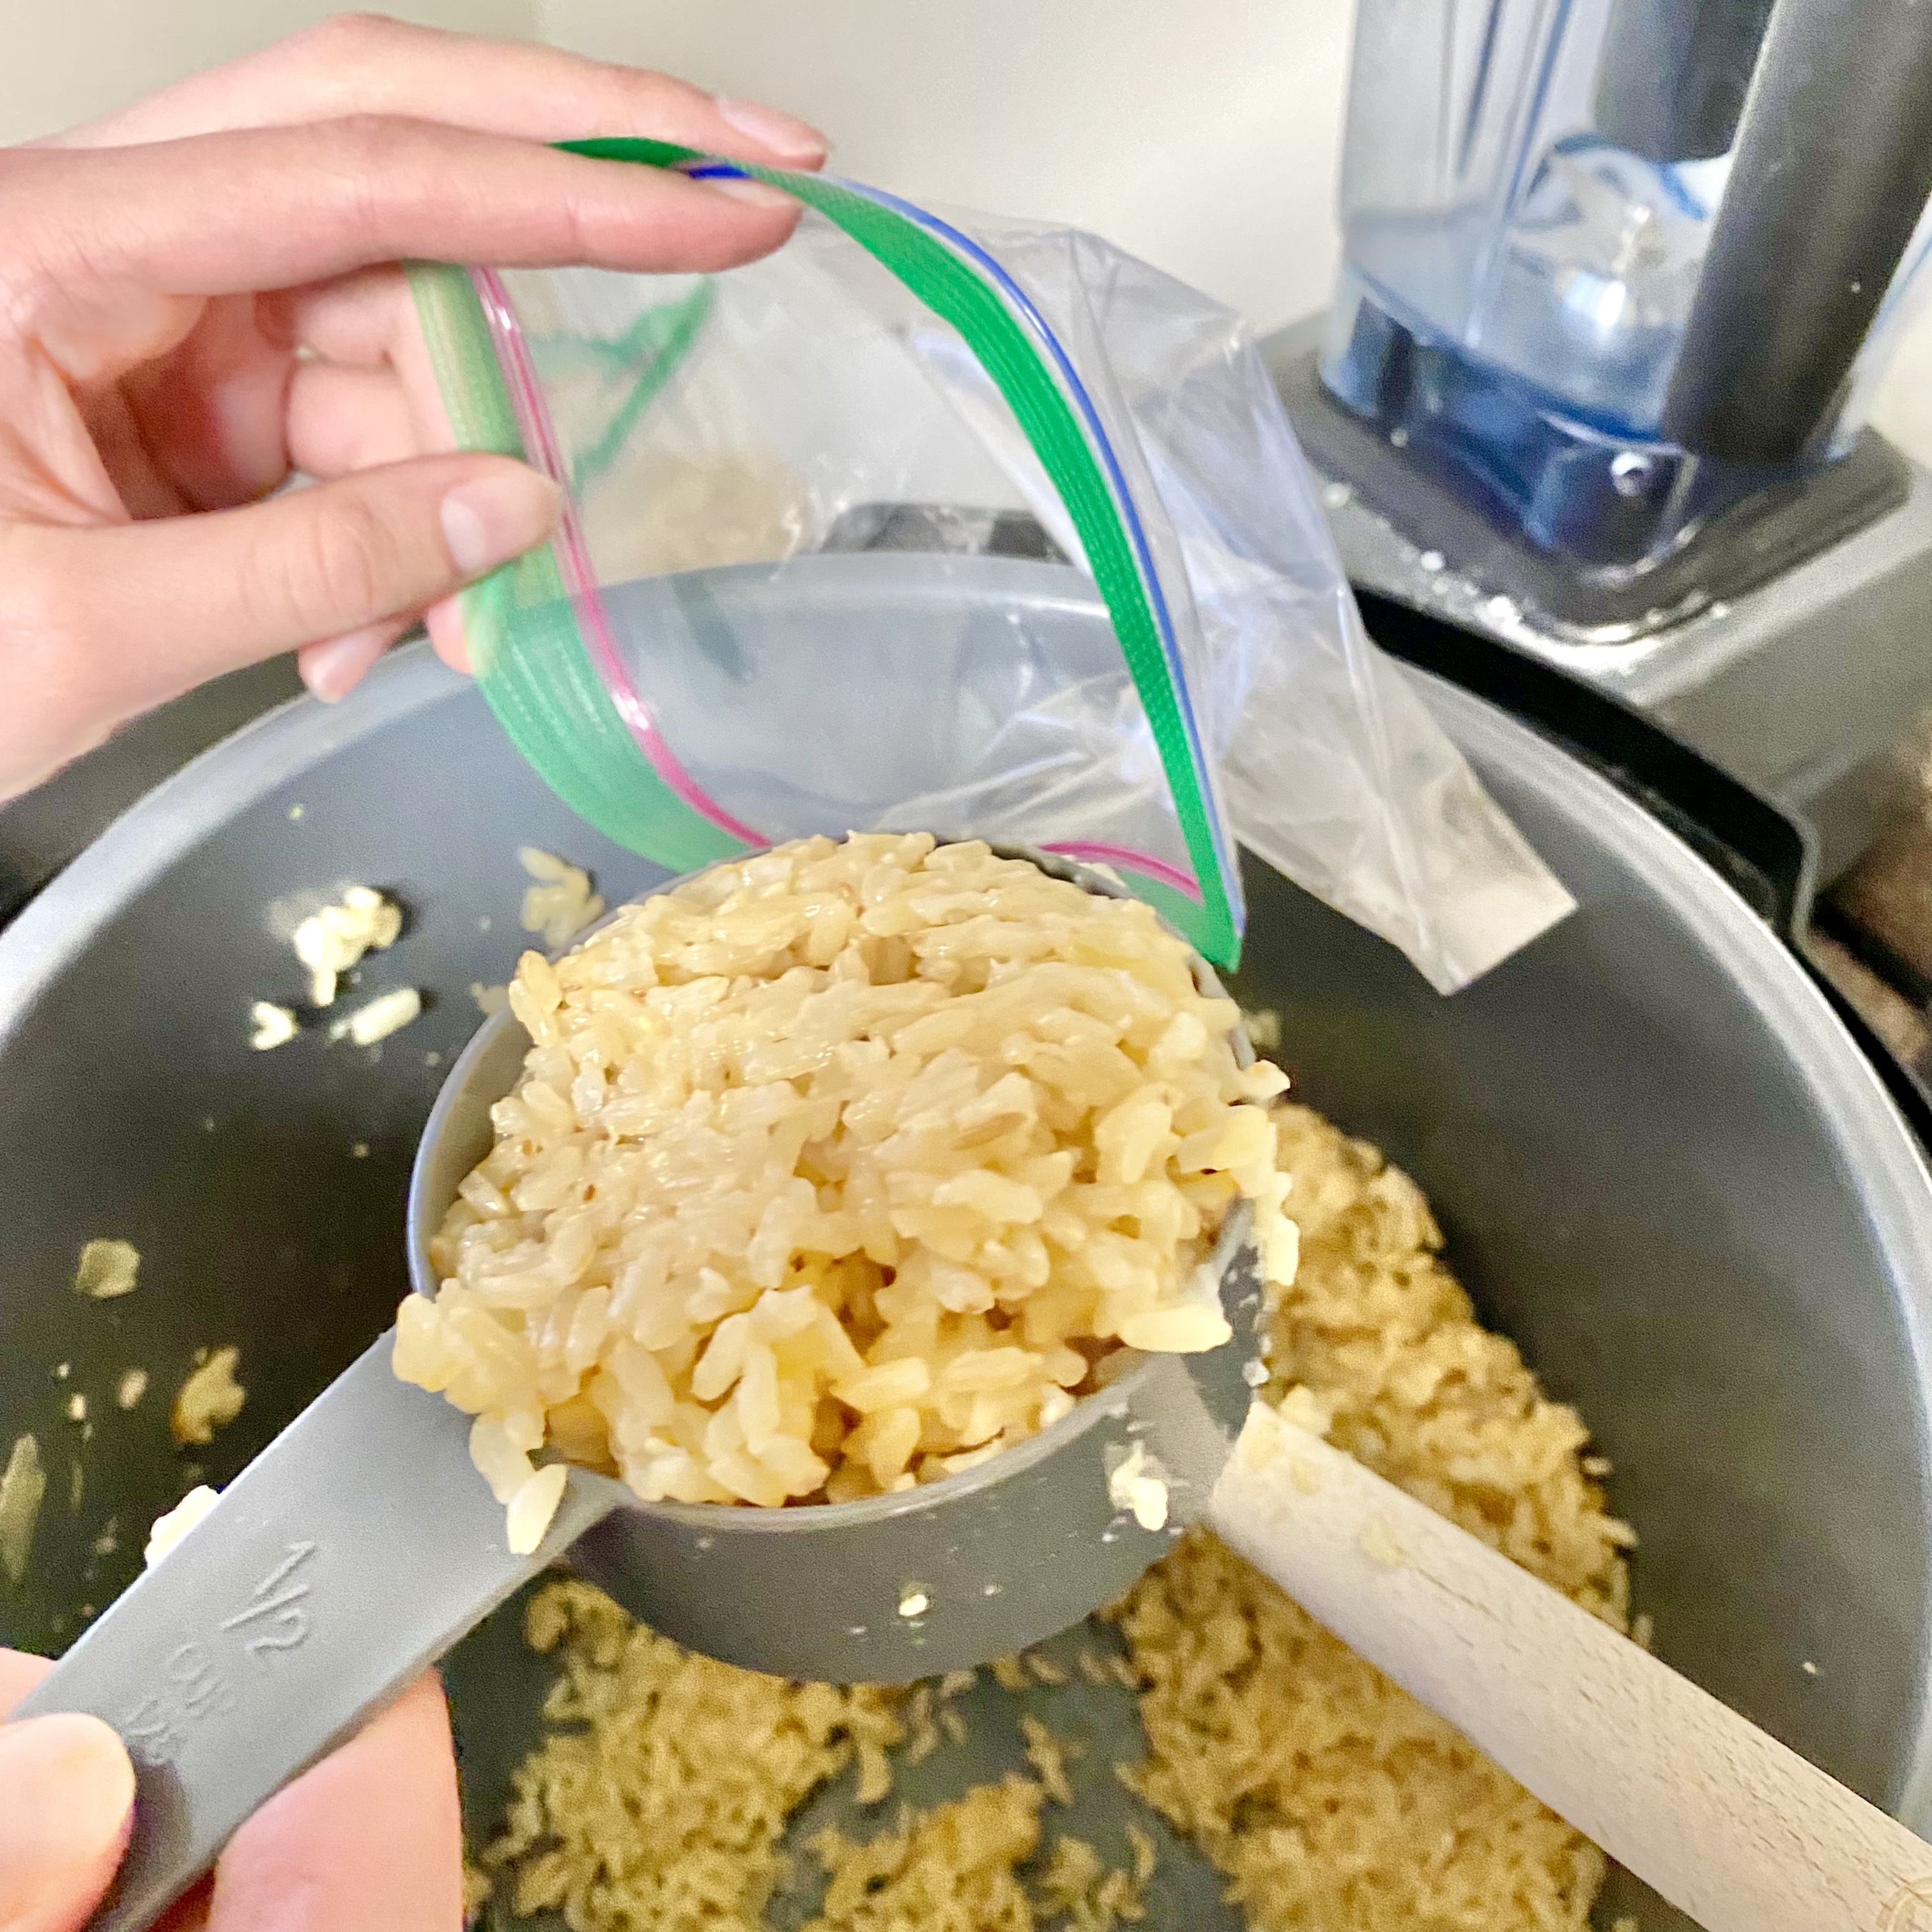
{"points": [[802, 584]]}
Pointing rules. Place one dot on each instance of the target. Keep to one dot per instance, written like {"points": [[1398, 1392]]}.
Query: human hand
{"points": [[370, 1837], [202, 294]]}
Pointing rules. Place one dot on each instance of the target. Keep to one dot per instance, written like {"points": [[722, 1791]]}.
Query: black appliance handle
{"points": [[1831, 169], [1674, 73]]}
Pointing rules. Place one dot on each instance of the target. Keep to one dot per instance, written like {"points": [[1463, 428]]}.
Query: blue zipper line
{"points": [[1163, 623]]}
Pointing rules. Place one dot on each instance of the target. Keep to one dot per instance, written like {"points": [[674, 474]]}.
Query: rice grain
{"points": [[1326, 1796], [838, 1170], [210, 1398], [107, 1269]]}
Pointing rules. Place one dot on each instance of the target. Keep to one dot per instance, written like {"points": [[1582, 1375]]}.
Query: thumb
{"points": [[67, 1795], [117, 620]]}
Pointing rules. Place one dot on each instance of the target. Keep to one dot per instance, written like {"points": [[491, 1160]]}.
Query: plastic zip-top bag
{"points": [[960, 525]]}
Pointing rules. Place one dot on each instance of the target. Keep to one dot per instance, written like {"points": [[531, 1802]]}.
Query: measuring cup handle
{"points": [[345, 1559]]}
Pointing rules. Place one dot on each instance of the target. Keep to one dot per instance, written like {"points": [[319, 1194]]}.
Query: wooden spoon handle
{"points": [[1727, 1823]]}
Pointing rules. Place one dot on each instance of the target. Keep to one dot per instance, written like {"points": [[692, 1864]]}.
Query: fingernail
{"points": [[753, 194], [772, 128], [66, 1792], [448, 633], [496, 517], [332, 669]]}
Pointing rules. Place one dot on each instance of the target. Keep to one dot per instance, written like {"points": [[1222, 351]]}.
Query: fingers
{"points": [[105, 623], [444, 623], [332, 669], [299, 204], [67, 1795], [364, 64], [66, 1800], [368, 320], [340, 419], [210, 413], [355, 319], [372, 1837]]}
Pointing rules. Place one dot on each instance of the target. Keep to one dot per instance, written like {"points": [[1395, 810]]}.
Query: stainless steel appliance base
{"points": [[1797, 687]]}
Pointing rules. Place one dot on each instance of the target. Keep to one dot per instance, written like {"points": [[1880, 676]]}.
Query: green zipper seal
{"points": [[546, 706], [661, 337], [526, 651]]}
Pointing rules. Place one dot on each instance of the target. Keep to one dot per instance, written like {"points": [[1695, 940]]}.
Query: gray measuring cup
{"points": [[362, 1544]]}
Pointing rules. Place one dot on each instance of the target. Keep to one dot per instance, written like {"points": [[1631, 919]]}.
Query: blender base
{"points": [[1549, 529], [1797, 682]]}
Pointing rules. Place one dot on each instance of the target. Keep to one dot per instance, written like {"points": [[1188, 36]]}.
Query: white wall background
{"points": [[1201, 134], [65, 61]]}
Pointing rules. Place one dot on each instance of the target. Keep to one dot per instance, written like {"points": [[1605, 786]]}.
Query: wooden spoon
{"points": [[1730, 1825]]}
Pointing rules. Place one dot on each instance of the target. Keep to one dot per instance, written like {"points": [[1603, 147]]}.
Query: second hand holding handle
{"points": [[344, 1560]]}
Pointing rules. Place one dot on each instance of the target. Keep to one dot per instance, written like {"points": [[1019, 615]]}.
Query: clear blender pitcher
{"points": [[1614, 268]]}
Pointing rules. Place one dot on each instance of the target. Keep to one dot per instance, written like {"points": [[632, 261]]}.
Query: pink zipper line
{"points": [[573, 555], [580, 579], [1143, 863]]}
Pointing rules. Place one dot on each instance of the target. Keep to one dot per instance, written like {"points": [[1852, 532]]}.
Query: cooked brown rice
{"points": [[559, 903], [332, 939], [210, 1398], [107, 1269], [23, 1484], [661, 1792], [839, 1169], [1327, 1797]]}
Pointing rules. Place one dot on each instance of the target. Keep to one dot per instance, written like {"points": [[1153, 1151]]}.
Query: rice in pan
{"points": [[837, 1170], [1328, 1800]]}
